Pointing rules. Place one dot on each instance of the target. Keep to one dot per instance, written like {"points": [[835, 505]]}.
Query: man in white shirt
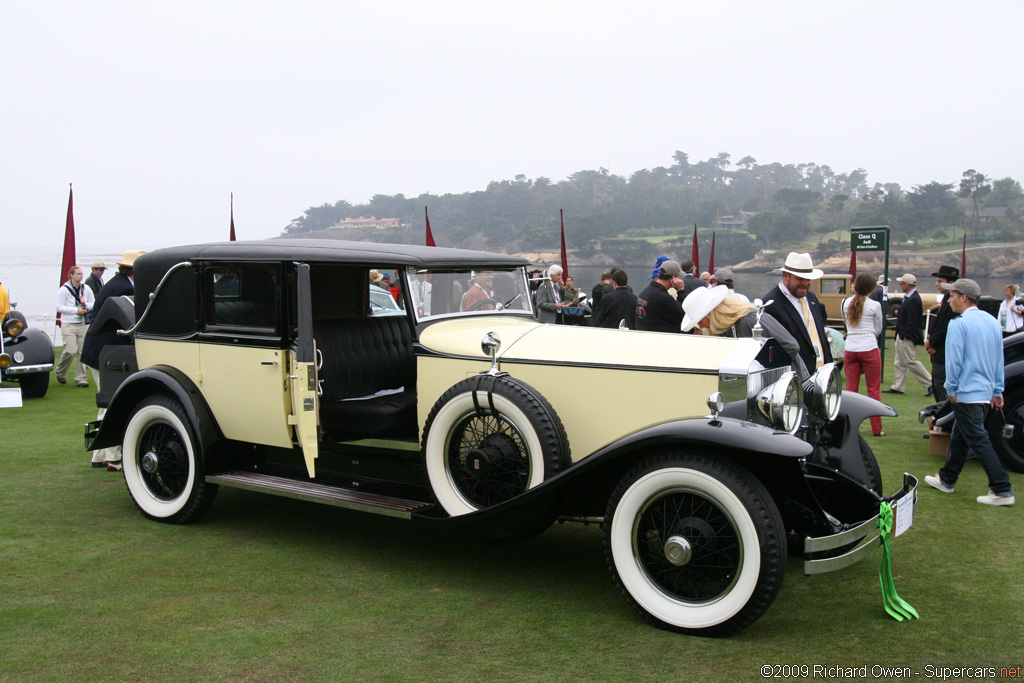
{"points": [[74, 301], [421, 294]]}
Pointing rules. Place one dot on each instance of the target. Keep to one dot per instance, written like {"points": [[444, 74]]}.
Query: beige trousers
{"points": [[906, 361], [74, 339]]}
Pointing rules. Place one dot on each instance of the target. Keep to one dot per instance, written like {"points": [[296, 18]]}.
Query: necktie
{"points": [[813, 329]]}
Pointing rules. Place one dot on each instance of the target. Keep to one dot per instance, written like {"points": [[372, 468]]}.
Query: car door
{"points": [[243, 352]]}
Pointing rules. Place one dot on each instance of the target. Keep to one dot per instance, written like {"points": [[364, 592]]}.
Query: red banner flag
{"points": [[68, 259], [963, 256], [565, 260], [430, 235], [232, 238], [696, 253], [853, 265], [711, 262]]}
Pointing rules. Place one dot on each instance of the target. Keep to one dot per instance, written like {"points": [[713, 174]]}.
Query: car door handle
{"points": [[268, 362]]}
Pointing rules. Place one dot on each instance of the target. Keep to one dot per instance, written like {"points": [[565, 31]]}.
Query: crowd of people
{"points": [[964, 343]]}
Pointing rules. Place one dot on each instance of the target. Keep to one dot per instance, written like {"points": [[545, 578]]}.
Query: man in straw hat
{"points": [[122, 284], [974, 382], [799, 310]]}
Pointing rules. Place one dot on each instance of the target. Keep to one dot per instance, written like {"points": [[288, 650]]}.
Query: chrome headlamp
{"points": [[825, 392], [14, 326], [781, 403]]}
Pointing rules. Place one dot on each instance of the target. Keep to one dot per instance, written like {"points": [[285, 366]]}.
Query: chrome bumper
{"points": [[26, 369], [864, 535]]}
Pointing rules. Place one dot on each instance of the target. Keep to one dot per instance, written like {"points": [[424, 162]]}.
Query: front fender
{"points": [[139, 386], [584, 487]]}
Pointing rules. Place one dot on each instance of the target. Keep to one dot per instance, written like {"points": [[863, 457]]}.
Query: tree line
{"points": [[617, 216]]}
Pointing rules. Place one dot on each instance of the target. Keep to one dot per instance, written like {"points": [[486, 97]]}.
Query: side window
{"points": [[243, 298], [833, 286], [384, 293]]}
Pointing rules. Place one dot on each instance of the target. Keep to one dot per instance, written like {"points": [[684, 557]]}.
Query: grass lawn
{"points": [[271, 589]]}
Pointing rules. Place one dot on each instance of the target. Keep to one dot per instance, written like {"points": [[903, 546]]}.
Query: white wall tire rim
{"points": [[152, 505], [658, 602], [438, 440]]}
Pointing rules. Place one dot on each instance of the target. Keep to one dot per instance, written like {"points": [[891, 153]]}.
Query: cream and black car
{"points": [[416, 382]]}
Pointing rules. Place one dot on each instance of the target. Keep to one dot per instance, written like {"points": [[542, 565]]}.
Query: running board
{"points": [[318, 493]]}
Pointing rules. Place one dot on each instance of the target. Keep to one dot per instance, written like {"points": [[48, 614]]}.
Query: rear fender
{"points": [[145, 383]]}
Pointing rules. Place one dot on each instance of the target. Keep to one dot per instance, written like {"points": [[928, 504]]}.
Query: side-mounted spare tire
{"points": [[489, 439]]}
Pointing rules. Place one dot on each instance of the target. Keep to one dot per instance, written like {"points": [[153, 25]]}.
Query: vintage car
{"points": [[275, 366], [26, 355], [1005, 427]]}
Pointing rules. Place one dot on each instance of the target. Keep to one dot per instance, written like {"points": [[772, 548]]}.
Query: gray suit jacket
{"points": [[547, 311]]}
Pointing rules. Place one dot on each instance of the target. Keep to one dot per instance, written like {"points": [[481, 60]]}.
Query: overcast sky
{"points": [[157, 111]]}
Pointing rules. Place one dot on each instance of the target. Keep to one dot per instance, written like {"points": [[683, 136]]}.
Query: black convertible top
{"points": [[150, 267]]}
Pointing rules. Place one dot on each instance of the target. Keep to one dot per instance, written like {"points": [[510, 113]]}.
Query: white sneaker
{"points": [[996, 499], [935, 482]]}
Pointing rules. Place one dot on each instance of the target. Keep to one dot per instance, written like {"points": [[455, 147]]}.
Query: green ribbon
{"points": [[898, 608]]}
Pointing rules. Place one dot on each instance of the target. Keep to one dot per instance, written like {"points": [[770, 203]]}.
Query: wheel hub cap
{"points": [[678, 550], [150, 463]]}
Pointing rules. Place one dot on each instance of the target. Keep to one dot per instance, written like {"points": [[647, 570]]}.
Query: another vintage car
{"points": [[1005, 427], [26, 355], [277, 366]]}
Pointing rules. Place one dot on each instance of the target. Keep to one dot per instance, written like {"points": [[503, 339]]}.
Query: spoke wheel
{"points": [[162, 462], [477, 457], [696, 544]]}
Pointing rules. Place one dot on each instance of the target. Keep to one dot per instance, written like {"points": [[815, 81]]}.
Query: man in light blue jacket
{"points": [[974, 382]]}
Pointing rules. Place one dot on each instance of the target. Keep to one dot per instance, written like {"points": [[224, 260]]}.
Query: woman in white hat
{"points": [[719, 312]]}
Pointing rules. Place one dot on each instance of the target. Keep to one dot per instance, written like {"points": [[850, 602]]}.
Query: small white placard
{"points": [[10, 398], [904, 509]]}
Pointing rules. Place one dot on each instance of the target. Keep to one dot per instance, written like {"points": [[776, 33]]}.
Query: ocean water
{"points": [[31, 274]]}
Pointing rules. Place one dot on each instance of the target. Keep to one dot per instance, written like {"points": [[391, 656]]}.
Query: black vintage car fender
{"points": [[583, 488], [157, 379]]}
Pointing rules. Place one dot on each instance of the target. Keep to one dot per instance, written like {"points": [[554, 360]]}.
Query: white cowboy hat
{"points": [[700, 302], [801, 266]]}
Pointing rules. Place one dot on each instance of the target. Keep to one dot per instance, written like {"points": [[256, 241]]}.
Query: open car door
{"points": [[302, 379]]}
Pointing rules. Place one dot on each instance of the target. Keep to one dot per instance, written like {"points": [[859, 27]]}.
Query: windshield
{"points": [[442, 293]]}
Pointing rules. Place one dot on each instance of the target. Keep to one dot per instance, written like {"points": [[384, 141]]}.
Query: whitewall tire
{"points": [[162, 463], [475, 458], [696, 544]]}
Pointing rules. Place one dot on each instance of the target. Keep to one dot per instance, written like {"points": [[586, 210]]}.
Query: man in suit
{"points": [[799, 310], [421, 290], [618, 306], [549, 297], [122, 284], [690, 280], [909, 335], [935, 344]]}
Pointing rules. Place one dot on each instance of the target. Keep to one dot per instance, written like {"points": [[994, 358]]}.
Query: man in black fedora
{"points": [[935, 344], [799, 310]]}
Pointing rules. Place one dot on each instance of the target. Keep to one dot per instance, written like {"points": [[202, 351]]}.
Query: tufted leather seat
{"points": [[363, 356]]}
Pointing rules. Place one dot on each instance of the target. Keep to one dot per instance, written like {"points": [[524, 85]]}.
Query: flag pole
{"points": [[963, 257], [711, 262]]}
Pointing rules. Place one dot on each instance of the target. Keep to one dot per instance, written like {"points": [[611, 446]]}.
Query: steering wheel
{"points": [[483, 302]]}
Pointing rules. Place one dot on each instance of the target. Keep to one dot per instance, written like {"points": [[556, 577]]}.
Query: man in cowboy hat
{"points": [[909, 334], [799, 310], [935, 344], [122, 284]]}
